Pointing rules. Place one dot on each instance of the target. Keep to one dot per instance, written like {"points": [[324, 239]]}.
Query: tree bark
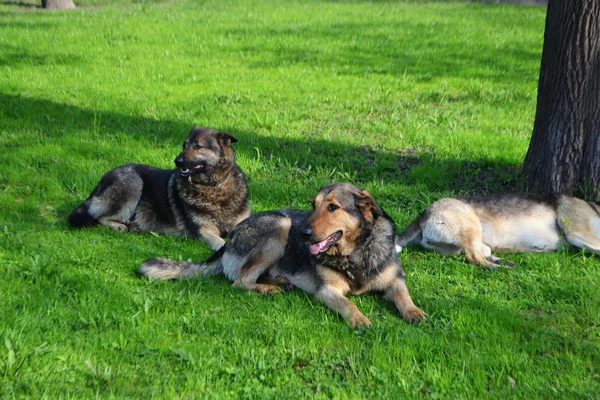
{"points": [[564, 151], [57, 4]]}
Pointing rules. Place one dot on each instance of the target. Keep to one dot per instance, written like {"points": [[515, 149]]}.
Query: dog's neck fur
{"points": [[215, 182], [205, 180], [372, 253], [205, 195]]}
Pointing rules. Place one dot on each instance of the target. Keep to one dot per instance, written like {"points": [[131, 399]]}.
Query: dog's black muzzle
{"points": [[190, 167]]}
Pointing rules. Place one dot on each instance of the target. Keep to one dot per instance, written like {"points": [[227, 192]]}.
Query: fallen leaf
{"points": [[511, 380]]}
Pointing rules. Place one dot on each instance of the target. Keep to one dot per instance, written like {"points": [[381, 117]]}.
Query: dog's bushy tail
{"points": [[165, 268], [81, 218], [411, 235]]}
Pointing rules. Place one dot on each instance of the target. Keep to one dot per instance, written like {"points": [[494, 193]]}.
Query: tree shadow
{"points": [[360, 48], [40, 114], [14, 56], [363, 163], [21, 3]]}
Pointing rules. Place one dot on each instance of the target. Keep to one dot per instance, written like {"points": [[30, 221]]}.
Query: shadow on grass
{"points": [[45, 115], [26, 4], [363, 161], [14, 56], [368, 49]]}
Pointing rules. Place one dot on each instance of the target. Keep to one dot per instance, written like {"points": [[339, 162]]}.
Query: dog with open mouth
{"points": [[344, 246], [206, 196]]}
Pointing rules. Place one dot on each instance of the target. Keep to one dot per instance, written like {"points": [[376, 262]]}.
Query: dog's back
{"points": [[517, 222]]}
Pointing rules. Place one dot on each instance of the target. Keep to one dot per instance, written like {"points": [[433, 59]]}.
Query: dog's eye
{"points": [[332, 207], [197, 146]]}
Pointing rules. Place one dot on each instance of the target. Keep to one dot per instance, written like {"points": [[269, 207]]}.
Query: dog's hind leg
{"points": [[264, 255], [503, 262], [112, 224], [473, 252], [255, 265], [114, 200], [452, 227], [455, 223]]}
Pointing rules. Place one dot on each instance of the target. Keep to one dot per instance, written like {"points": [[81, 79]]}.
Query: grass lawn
{"points": [[411, 100]]}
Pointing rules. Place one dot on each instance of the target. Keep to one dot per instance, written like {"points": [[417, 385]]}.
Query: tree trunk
{"points": [[564, 152], [57, 4]]}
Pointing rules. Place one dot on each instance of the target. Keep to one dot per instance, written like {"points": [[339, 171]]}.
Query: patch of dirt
{"points": [[476, 178], [408, 157]]}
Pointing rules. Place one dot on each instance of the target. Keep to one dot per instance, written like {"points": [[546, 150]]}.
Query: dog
{"points": [[205, 197], [510, 223], [344, 246]]}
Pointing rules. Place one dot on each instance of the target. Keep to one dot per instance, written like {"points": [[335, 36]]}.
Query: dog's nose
{"points": [[179, 161], [306, 233]]}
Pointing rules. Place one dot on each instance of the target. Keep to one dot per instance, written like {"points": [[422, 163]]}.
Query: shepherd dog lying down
{"points": [[510, 222], [205, 196], [344, 246]]}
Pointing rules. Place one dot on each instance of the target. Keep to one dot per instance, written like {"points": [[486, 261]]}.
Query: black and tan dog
{"points": [[205, 196], [344, 246], [510, 223]]}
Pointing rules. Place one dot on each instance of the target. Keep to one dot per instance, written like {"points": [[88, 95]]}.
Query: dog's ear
{"points": [[367, 206], [226, 139]]}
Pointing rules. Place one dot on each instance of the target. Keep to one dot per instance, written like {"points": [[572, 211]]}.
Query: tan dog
{"points": [[344, 246], [505, 223]]}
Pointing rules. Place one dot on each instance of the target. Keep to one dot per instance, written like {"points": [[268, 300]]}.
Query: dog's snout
{"points": [[307, 233], [179, 160]]}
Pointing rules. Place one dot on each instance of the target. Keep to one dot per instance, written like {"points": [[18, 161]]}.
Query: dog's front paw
{"points": [[264, 288], [414, 314], [358, 320]]}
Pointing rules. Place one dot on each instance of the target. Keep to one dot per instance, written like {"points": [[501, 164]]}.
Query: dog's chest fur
{"points": [[224, 201], [358, 273], [373, 252]]}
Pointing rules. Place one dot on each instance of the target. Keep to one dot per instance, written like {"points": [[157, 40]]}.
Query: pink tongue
{"points": [[316, 248]]}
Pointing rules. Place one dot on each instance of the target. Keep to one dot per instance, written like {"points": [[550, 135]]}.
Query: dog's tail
{"points": [[411, 235], [81, 218], [164, 268]]}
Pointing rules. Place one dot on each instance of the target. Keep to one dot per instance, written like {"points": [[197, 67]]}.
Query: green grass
{"points": [[411, 100]]}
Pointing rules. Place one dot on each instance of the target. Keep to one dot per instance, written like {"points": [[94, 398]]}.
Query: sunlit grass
{"points": [[411, 100]]}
